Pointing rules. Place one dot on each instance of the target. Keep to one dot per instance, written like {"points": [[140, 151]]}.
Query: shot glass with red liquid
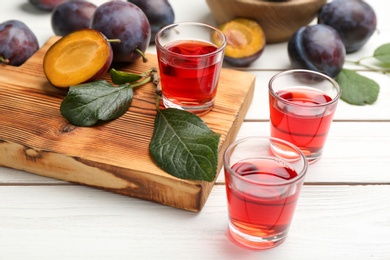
{"points": [[302, 104], [190, 57], [263, 176]]}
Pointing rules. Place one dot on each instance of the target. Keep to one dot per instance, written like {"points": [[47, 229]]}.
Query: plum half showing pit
{"points": [[245, 41], [79, 57]]}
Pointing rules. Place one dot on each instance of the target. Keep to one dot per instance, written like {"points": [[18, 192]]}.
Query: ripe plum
{"points": [[46, 5], [354, 20], [17, 42], [72, 16], [317, 47], [158, 12], [128, 23]]}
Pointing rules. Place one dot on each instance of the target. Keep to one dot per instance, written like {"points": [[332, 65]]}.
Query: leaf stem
{"points": [[359, 61], [144, 59], [140, 83], [151, 77], [156, 82], [148, 72], [114, 40], [361, 64]]}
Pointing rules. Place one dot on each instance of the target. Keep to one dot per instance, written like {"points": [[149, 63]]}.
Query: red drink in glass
{"points": [[261, 210], [190, 57], [191, 80], [302, 104], [303, 122], [263, 176]]}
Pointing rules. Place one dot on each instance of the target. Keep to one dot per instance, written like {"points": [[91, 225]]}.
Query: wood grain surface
{"points": [[113, 156]]}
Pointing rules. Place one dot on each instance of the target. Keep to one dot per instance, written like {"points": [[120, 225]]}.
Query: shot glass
{"points": [[302, 104], [190, 57], [262, 188]]}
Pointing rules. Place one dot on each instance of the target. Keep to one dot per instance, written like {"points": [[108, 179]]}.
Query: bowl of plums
{"points": [[279, 19], [333, 28]]}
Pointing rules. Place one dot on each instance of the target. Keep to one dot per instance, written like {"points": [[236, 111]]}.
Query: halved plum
{"points": [[245, 41], [82, 56]]}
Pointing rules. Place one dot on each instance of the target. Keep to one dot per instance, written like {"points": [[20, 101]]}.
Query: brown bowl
{"points": [[279, 19]]}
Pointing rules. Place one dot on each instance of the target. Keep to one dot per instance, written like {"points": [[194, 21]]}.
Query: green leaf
{"points": [[357, 89], [382, 53], [86, 104], [184, 146], [121, 77]]}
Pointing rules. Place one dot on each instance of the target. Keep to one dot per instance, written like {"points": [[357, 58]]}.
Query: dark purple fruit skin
{"points": [[72, 16], [17, 42], [46, 5], [126, 22], [244, 61], [317, 47], [354, 20], [159, 13]]}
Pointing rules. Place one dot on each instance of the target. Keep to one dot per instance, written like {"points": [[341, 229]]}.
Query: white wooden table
{"points": [[343, 212]]}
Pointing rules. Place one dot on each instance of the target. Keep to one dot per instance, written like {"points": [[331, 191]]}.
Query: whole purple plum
{"points": [[317, 47], [159, 13], [17, 42], [354, 20], [46, 5], [71, 16], [124, 21]]}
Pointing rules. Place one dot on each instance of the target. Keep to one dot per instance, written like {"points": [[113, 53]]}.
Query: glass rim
{"points": [[301, 173], [291, 71], [218, 50]]}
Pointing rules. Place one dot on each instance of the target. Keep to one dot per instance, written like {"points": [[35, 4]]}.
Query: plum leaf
{"points": [[184, 146], [382, 53], [122, 77], [86, 104], [357, 89]]}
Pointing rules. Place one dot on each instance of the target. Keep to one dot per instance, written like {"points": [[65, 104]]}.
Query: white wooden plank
{"points": [[73, 222], [11, 176], [355, 152]]}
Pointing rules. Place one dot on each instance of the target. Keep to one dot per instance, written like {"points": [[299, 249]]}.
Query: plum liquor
{"points": [[294, 122], [264, 207], [190, 80]]}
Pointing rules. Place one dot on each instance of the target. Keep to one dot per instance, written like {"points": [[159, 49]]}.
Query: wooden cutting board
{"points": [[114, 156]]}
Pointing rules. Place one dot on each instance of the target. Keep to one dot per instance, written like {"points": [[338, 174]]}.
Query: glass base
{"points": [[290, 155], [256, 242], [312, 160], [190, 107], [312, 157]]}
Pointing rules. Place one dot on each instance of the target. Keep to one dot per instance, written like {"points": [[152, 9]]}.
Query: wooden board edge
{"points": [[106, 177]]}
